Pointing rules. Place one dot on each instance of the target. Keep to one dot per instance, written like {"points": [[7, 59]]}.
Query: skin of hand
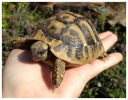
{"points": [[25, 78]]}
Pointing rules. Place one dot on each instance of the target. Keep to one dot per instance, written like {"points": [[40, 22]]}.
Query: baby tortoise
{"points": [[65, 40]]}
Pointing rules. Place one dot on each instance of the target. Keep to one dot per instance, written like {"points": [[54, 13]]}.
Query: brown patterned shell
{"points": [[70, 36]]}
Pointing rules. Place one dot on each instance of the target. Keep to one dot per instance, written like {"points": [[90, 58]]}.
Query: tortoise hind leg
{"points": [[58, 73]]}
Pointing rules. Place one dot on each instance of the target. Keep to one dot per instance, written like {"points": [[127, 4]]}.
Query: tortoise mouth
{"points": [[36, 58]]}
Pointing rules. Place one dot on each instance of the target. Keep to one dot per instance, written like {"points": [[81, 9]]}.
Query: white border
{"points": [[126, 50], [64, 1], [1, 50]]}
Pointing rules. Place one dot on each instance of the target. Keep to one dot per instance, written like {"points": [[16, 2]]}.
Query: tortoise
{"points": [[66, 39]]}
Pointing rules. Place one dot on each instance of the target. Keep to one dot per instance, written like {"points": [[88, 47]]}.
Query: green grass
{"points": [[20, 19]]}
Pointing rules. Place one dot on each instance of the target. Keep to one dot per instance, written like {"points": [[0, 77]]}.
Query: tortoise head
{"points": [[39, 51]]}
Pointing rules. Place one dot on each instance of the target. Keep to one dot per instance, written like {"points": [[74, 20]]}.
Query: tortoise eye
{"points": [[40, 52], [53, 28], [65, 17]]}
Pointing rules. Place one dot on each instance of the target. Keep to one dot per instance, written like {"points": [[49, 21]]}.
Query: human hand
{"points": [[23, 77]]}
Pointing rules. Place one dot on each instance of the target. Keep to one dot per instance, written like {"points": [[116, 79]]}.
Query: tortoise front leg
{"points": [[58, 73]]}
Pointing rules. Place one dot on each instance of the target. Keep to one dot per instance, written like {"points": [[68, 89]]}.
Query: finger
{"points": [[109, 41], [76, 78], [104, 34], [99, 65]]}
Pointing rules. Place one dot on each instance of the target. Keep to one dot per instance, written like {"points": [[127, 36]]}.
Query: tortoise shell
{"points": [[70, 37]]}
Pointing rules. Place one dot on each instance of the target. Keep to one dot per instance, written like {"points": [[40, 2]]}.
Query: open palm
{"points": [[24, 78]]}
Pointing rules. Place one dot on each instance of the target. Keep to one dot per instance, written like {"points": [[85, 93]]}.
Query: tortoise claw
{"points": [[104, 57]]}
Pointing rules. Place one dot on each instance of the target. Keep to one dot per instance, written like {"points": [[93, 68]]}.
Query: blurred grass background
{"points": [[24, 18]]}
